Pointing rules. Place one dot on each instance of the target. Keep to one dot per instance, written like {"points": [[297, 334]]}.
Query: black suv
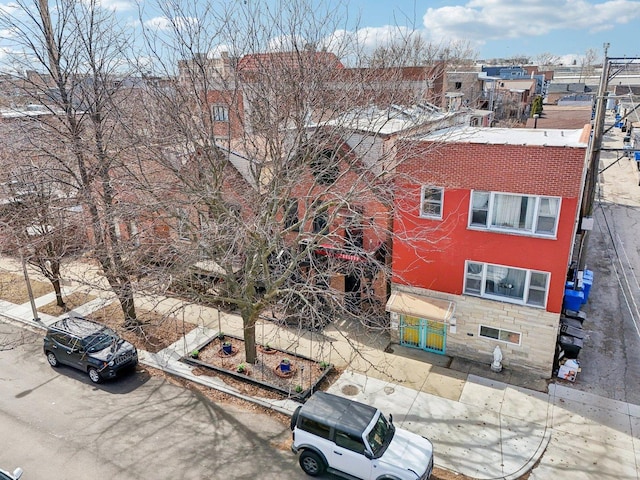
{"points": [[90, 347]]}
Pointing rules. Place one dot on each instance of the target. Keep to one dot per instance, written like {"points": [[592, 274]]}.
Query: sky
{"points": [[565, 29], [508, 28]]}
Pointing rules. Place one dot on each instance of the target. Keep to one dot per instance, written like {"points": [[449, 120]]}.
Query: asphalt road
{"points": [[610, 358], [56, 425]]}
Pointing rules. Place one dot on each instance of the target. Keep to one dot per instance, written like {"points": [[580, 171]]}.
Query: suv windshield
{"points": [[99, 340], [380, 436]]}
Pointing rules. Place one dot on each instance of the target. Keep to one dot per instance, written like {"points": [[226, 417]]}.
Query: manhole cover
{"points": [[389, 390], [350, 390]]}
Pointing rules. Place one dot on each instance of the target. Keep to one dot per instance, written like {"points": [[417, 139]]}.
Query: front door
{"points": [[428, 335]]}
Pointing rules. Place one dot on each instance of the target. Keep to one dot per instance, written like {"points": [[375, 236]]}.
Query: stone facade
{"points": [[538, 331]]}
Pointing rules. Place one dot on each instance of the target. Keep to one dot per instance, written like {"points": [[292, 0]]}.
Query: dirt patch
{"points": [[304, 373], [71, 301], [442, 474], [154, 333], [13, 288]]}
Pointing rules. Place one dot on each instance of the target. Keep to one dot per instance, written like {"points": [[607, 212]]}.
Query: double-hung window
{"points": [[498, 282], [220, 113], [528, 214], [431, 199]]}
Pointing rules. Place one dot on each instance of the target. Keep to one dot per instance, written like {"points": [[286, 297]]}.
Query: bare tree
{"points": [[75, 58], [274, 184], [413, 50], [588, 62], [547, 58], [39, 220]]}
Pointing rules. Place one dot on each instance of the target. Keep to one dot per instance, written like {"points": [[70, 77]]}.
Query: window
{"points": [[515, 285], [458, 85], [500, 335], [353, 228], [529, 214], [320, 223], [291, 214], [325, 167], [220, 113], [431, 202], [349, 441], [316, 428]]}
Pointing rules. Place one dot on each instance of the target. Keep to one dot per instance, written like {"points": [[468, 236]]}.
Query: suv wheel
{"points": [[51, 358], [311, 463], [94, 376]]}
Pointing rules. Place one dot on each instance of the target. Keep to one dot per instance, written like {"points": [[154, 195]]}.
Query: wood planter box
{"points": [[261, 372]]}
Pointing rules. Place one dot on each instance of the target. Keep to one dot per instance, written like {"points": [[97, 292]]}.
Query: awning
{"points": [[331, 251], [421, 307]]}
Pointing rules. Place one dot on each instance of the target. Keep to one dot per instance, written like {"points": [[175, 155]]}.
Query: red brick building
{"points": [[484, 227]]}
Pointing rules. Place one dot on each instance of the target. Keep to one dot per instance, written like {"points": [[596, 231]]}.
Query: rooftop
{"points": [[390, 120], [510, 136]]}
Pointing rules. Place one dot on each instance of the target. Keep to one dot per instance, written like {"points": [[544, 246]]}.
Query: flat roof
{"points": [[508, 136]]}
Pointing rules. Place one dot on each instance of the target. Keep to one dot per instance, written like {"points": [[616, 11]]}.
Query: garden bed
{"points": [[304, 377]]}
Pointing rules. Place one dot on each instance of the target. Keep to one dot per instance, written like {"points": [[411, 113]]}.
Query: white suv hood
{"points": [[411, 451]]}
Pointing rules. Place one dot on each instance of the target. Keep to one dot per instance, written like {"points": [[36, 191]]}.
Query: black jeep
{"points": [[90, 347]]}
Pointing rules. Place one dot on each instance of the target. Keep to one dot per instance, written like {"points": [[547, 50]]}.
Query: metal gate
{"points": [[428, 335]]}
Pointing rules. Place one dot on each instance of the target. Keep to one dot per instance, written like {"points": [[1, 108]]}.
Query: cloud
{"points": [[366, 39], [166, 23], [117, 5], [485, 20]]}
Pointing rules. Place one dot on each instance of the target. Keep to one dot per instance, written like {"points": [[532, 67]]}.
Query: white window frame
{"points": [[220, 113], [537, 213], [502, 335], [439, 204], [532, 287]]}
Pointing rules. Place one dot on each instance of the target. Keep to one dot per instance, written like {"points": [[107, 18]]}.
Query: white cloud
{"points": [[483, 20], [165, 23], [117, 5]]}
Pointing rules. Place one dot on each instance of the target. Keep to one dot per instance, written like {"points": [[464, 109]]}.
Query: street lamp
{"points": [[536, 116]]}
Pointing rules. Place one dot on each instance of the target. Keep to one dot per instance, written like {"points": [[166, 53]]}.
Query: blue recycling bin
{"points": [[573, 299], [587, 283]]}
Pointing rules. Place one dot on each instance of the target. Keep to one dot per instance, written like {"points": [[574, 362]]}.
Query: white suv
{"points": [[355, 440]]}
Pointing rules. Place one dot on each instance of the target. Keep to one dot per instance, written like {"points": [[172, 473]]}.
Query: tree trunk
{"points": [[249, 324], [55, 270], [125, 295], [58, 289]]}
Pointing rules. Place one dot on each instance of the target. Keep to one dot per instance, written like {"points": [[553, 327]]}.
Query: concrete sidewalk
{"points": [[485, 428]]}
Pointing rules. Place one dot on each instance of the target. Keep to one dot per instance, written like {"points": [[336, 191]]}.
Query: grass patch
{"points": [[13, 288], [154, 333], [72, 301]]}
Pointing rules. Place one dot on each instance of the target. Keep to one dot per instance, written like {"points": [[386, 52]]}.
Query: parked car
{"points": [[354, 440], [90, 347], [17, 473]]}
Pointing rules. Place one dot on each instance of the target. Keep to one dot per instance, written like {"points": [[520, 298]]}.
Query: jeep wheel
{"points": [[51, 358], [94, 376], [311, 463]]}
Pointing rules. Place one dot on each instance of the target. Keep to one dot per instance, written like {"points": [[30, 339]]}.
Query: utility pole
{"points": [[588, 198]]}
